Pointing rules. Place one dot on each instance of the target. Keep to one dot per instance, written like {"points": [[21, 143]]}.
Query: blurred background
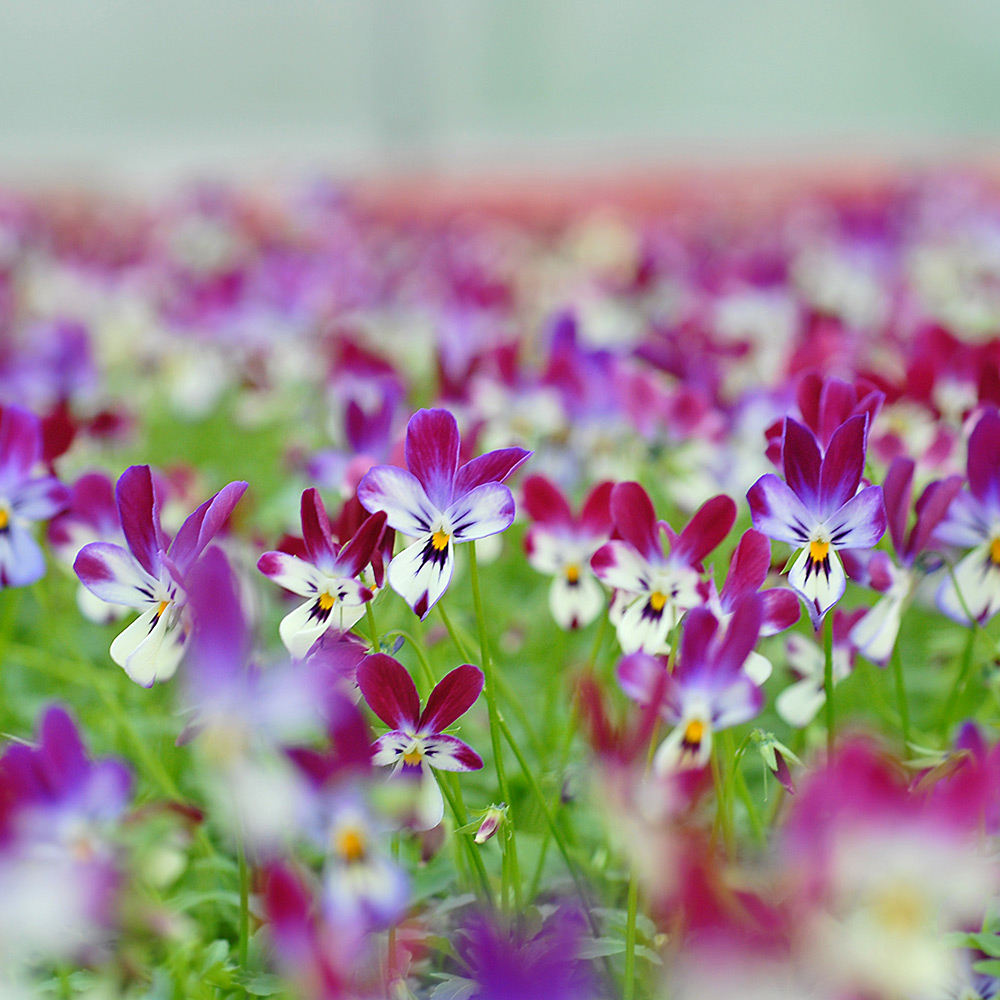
{"points": [[113, 90]]}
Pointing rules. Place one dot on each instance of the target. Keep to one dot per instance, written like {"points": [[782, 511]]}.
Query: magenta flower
{"points": [[709, 689], [23, 498], [562, 545], [439, 503], [416, 743], [327, 579], [974, 520], [151, 573], [820, 509], [656, 588]]}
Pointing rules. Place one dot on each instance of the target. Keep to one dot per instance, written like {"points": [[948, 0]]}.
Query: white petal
{"points": [[875, 634], [821, 590], [292, 573], [430, 805], [757, 667], [420, 574], [799, 702], [150, 648], [300, 628], [575, 605], [95, 610], [672, 756], [978, 580], [643, 628]]}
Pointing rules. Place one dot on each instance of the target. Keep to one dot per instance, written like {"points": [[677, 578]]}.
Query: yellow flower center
{"points": [[898, 907], [995, 552], [818, 551], [657, 600], [350, 845], [163, 607], [414, 755], [440, 540], [4, 518], [573, 573], [326, 601], [694, 733]]}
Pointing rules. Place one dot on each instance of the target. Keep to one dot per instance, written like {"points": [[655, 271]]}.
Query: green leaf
{"points": [[599, 947], [454, 988], [261, 984], [988, 967]]}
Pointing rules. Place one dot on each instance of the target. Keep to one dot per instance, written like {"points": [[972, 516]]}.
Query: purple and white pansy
{"points": [[709, 689], [24, 497], [439, 503], [328, 579], [656, 588], [820, 508], [416, 742], [150, 575]]}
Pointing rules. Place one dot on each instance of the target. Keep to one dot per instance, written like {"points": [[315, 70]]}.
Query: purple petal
{"points": [[20, 446], [737, 703], [432, 444], [741, 633], [487, 510], [748, 567], [139, 511], [860, 523], [545, 503], [448, 753], [836, 400], [357, 553], [897, 491], [40, 499], [708, 527], [984, 461], [933, 505], [967, 522], [635, 519], [699, 629], [493, 467], [801, 456], [113, 574], [781, 610], [778, 512], [843, 464], [595, 518], [452, 697], [220, 642], [617, 564], [203, 525], [643, 678], [61, 756], [316, 529], [389, 691], [292, 573], [400, 495], [21, 559]]}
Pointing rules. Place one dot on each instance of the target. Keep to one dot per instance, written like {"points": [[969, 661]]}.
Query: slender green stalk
{"points": [[723, 821], [244, 928], [628, 987], [828, 682], [370, 616], [747, 799], [463, 650], [453, 796], [495, 720], [904, 709], [418, 650], [391, 956], [961, 679]]}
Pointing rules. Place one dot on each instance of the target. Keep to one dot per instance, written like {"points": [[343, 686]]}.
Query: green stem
{"points": [[958, 687], [723, 821], [457, 806], [463, 650], [370, 616], [628, 990], [828, 682], [747, 799], [904, 710], [495, 721], [244, 945], [418, 650]]}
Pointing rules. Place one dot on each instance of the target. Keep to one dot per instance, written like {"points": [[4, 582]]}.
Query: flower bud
{"points": [[493, 819]]}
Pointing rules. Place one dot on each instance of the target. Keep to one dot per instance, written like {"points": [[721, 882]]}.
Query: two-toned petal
{"points": [[420, 574], [150, 649], [432, 446], [486, 510], [860, 523], [820, 581], [400, 494], [448, 753], [21, 560], [778, 513], [111, 573]]}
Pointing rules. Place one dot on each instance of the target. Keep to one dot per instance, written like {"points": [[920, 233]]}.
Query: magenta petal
{"points": [[635, 519], [984, 460], [61, 755], [545, 503], [595, 518], [203, 525], [741, 633], [699, 628], [449, 753], [432, 444], [643, 678], [220, 641], [452, 697], [807, 395], [932, 507], [389, 691], [836, 400], [897, 491], [113, 574], [781, 610], [400, 495], [778, 512], [357, 553], [843, 464], [316, 530], [493, 467], [801, 456], [139, 510], [709, 526], [748, 567], [487, 510], [20, 446], [860, 523]]}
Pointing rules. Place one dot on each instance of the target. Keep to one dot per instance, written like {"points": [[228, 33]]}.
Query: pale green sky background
{"points": [[372, 85]]}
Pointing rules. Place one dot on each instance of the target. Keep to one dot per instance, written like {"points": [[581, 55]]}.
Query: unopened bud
{"points": [[495, 817]]}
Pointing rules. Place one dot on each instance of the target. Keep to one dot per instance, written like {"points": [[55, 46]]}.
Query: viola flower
{"points": [[151, 573], [23, 498], [708, 690], [973, 519], [416, 743], [820, 509], [875, 634], [562, 545], [439, 503], [656, 588], [327, 579]]}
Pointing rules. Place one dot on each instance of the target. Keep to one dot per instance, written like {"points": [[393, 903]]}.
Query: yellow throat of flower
{"points": [[4, 518], [350, 845], [326, 601], [440, 540], [694, 733], [995, 551], [657, 600], [414, 755], [818, 551]]}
